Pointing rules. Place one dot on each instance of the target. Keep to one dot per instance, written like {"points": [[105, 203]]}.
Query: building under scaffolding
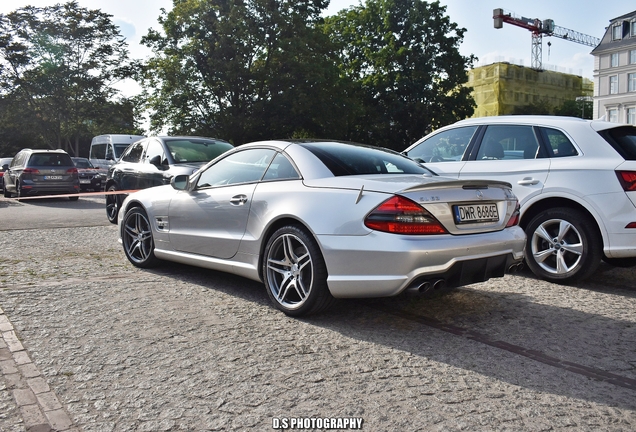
{"points": [[499, 88]]}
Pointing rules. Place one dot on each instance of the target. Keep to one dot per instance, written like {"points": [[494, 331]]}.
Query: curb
{"points": [[39, 407]]}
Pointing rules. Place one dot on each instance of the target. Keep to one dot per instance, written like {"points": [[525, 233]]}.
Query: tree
{"points": [[58, 64], [406, 71], [242, 70], [576, 108]]}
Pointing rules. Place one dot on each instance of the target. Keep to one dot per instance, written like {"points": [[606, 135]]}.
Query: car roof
{"points": [[546, 120]]}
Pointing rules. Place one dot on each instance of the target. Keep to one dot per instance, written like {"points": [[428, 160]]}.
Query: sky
{"points": [[511, 43]]}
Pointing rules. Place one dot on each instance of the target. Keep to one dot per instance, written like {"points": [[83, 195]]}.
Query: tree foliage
{"points": [[403, 60], [241, 70], [570, 108], [58, 65]]}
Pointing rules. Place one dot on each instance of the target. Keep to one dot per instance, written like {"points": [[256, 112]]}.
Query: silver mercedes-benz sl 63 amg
{"points": [[317, 220]]}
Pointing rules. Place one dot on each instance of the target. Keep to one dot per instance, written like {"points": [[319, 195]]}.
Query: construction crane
{"points": [[539, 29]]}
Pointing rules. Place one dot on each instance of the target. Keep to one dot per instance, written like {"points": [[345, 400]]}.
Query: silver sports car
{"points": [[317, 220]]}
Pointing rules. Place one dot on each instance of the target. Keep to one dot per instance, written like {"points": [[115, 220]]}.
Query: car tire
{"points": [[295, 273], [5, 192], [113, 202], [563, 245], [137, 239], [73, 198]]}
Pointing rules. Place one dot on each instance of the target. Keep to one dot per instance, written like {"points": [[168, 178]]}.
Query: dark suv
{"points": [[154, 161], [41, 172]]}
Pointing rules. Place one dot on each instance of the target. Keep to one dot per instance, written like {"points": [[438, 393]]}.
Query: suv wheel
{"points": [[563, 245], [113, 202]]}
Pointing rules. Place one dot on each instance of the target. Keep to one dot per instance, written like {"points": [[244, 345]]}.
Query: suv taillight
{"points": [[627, 180], [399, 215], [71, 170], [30, 171]]}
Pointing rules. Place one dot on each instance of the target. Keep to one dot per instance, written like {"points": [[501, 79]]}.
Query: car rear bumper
{"points": [[41, 189], [381, 265]]}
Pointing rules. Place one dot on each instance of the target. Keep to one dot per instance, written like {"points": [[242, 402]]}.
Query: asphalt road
{"points": [[89, 210], [92, 343]]}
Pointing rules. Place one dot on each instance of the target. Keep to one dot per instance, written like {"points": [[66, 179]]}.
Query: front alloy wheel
{"points": [[136, 235], [563, 245], [295, 273], [113, 202]]}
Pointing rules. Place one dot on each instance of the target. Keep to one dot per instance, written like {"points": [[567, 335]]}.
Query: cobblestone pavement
{"points": [[187, 349]]}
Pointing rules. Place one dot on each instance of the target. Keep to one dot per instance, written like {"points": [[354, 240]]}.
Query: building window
{"points": [[613, 84], [617, 32], [612, 115], [632, 57], [631, 82], [614, 60], [631, 116], [632, 28]]}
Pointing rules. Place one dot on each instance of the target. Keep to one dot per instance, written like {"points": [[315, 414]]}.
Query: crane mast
{"points": [[540, 28]]}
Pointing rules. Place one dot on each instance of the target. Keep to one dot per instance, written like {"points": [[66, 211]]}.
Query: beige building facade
{"points": [[615, 71], [499, 88]]}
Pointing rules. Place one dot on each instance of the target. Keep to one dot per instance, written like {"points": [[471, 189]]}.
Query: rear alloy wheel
{"points": [[136, 235], [295, 273], [5, 192], [563, 245], [113, 202]]}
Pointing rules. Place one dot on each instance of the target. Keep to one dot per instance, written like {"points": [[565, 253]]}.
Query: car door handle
{"points": [[238, 200], [528, 181]]}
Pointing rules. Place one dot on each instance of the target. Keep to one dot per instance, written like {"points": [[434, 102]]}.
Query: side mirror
{"points": [[156, 161], [5, 167], [180, 182]]}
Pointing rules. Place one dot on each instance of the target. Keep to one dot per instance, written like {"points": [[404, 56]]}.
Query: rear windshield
{"points": [[186, 150], [82, 163], [344, 159], [623, 139], [53, 159]]}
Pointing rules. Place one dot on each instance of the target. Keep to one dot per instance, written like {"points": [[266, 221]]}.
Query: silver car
{"points": [[317, 220]]}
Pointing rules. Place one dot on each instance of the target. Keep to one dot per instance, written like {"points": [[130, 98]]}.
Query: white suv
{"points": [[575, 180]]}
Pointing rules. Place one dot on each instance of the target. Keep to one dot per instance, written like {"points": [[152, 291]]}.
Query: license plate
{"points": [[474, 213], [52, 177], [85, 181]]}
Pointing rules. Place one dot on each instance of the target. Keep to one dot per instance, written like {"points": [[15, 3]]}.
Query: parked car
{"points": [[317, 220], [4, 165], [154, 161], [89, 176], [41, 172], [106, 149], [575, 180]]}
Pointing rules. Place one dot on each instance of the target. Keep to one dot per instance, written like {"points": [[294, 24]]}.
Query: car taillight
{"points": [[514, 219], [627, 180], [71, 170], [30, 171], [399, 215]]}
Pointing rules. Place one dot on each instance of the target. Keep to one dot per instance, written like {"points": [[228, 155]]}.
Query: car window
{"points": [[504, 142], [281, 169], [558, 144], [98, 151], [241, 167], [134, 152], [154, 149], [50, 159], [623, 139], [346, 159], [446, 146], [82, 163], [185, 150]]}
